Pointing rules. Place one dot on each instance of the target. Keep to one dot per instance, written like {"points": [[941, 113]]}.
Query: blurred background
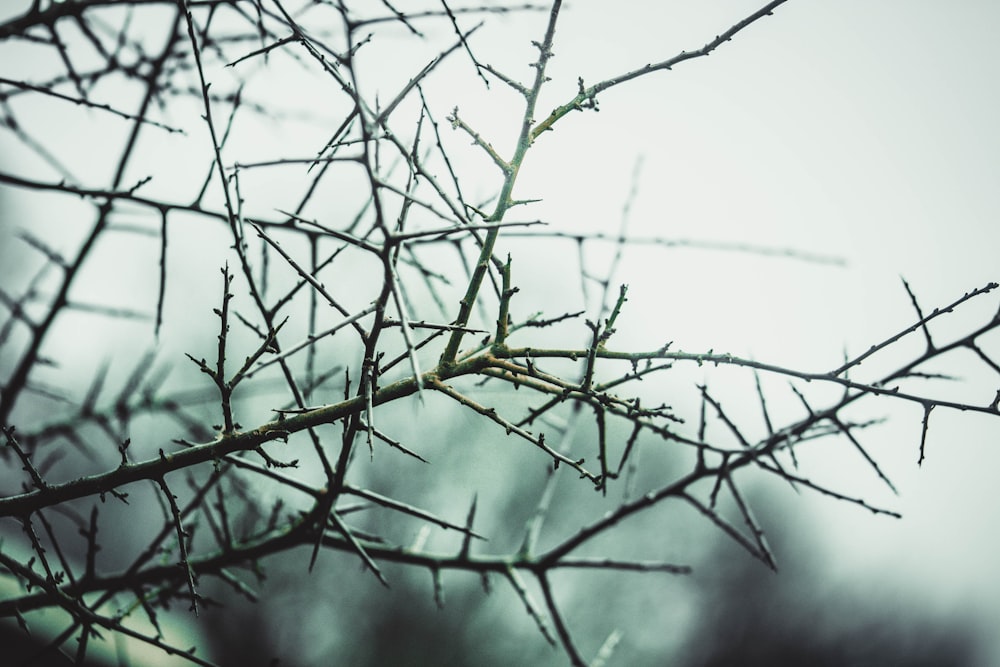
{"points": [[861, 132]]}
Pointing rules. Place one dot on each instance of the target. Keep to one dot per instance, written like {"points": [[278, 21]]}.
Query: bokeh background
{"points": [[861, 131]]}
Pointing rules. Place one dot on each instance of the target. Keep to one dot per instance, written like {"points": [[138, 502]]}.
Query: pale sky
{"points": [[861, 129], [865, 130]]}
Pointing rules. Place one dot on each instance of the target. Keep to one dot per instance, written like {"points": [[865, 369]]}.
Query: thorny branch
{"points": [[377, 265]]}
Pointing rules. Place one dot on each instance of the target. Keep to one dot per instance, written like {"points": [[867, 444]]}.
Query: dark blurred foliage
{"points": [[20, 649], [804, 615], [738, 612], [745, 615]]}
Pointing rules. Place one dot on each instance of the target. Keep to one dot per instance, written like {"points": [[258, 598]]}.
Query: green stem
{"points": [[504, 202]]}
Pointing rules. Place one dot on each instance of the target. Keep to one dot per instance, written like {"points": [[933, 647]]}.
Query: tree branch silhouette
{"points": [[395, 282]]}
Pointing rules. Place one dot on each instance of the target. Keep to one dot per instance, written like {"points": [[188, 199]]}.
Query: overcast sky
{"points": [[864, 130]]}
